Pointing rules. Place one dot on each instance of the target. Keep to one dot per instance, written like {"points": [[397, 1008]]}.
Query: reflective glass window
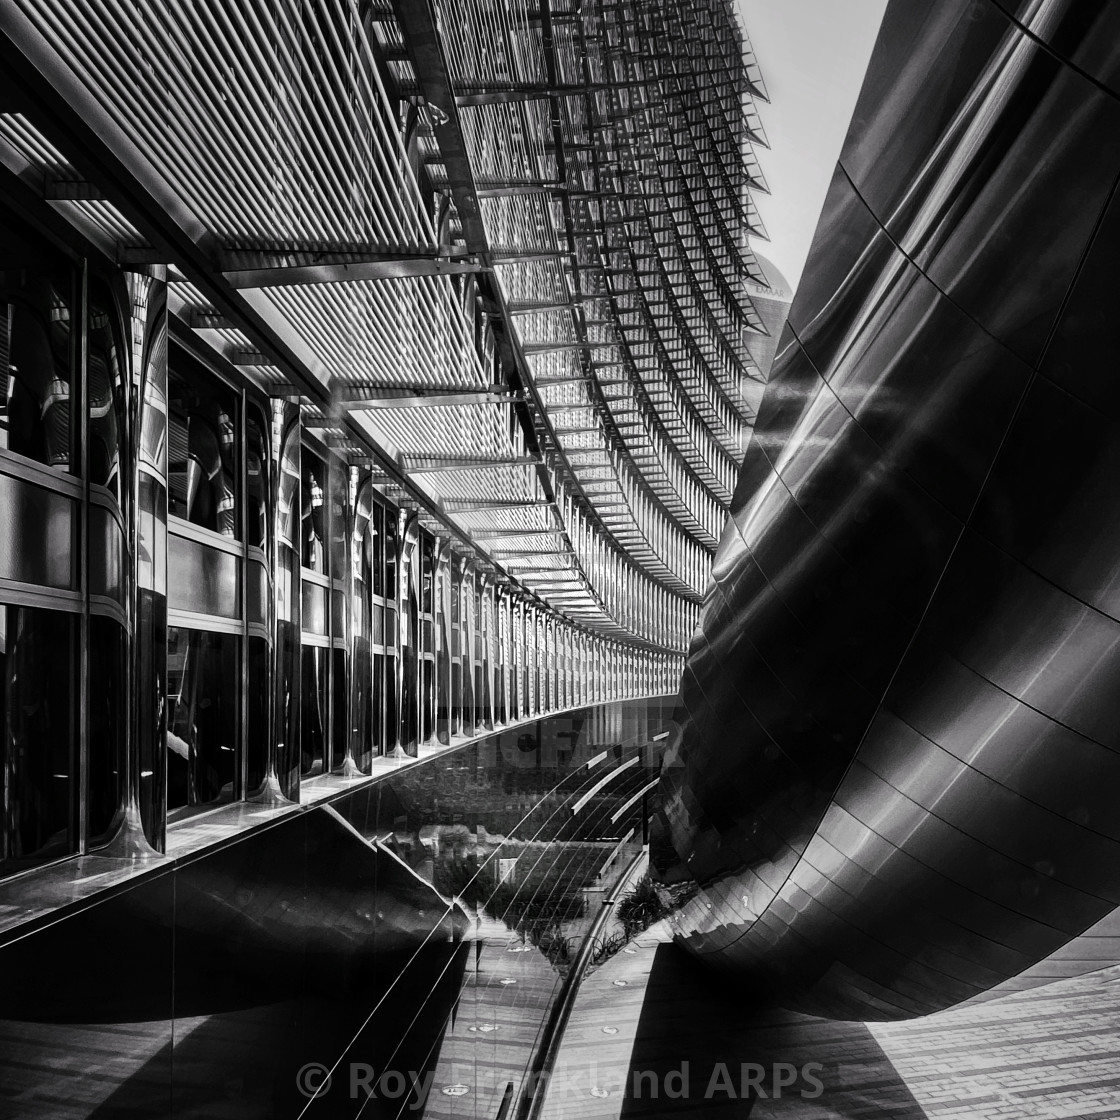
{"points": [[377, 701], [202, 717], [313, 726], [361, 713], [37, 748], [340, 664], [286, 678], [391, 722], [427, 698], [201, 467], [377, 546], [106, 373], [256, 478], [390, 555], [338, 519], [313, 546], [108, 720], [36, 354], [257, 730], [427, 575]]}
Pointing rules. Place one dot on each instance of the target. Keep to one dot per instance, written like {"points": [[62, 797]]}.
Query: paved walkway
{"points": [[594, 1062], [652, 1035]]}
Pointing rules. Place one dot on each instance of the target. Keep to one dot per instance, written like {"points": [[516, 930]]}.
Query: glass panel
{"points": [[37, 528], [313, 547], [378, 715], [37, 749], [106, 389], [479, 692], [365, 714], [257, 738], [286, 677], [202, 580], [391, 714], [456, 696], [340, 724], [377, 542], [427, 698], [390, 555], [288, 497], [35, 354], [286, 681], [201, 464], [410, 700], [151, 688], [107, 728], [362, 713], [256, 478], [202, 717], [339, 527], [313, 731], [427, 576], [340, 609], [258, 591], [314, 608]]}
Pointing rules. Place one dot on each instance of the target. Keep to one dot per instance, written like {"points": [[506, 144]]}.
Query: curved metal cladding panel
{"points": [[895, 779]]}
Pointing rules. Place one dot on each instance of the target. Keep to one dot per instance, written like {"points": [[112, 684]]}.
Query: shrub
{"points": [[640, 907]]}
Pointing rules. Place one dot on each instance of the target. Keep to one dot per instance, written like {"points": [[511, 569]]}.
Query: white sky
{"points": [[812, 54]]}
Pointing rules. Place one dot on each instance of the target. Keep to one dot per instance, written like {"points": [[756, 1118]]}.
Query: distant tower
{"points": [[772, 304]]}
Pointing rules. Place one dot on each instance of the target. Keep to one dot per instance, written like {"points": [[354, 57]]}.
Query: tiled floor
{"points": [[599, 1041], [1051, 1053], [490, 1042]]}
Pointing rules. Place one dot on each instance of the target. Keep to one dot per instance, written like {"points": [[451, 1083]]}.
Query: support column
{"points": [[142, 464], [407, 732], [281, 782], [441, 595]]}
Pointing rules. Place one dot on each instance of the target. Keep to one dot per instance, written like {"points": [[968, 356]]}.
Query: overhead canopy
{"points": [[498, 247]]}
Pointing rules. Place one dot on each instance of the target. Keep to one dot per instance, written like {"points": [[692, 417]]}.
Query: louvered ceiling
{"points": [[502, 245]]}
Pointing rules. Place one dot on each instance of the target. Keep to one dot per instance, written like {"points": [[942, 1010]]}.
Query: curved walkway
{"points": [[653, 1034]]}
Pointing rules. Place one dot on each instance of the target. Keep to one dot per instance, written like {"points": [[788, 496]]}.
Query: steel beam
{"points": [[465, 399], [201, 316], [514, 553], [555, 347], [347, 272], [479, 505], [505, 534], [57, 189], [434, 464], [248, 356]]}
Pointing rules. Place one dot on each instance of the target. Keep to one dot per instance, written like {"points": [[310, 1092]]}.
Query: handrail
{"points": [[544, 1059]]}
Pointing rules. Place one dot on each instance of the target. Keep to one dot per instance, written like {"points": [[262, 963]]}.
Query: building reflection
{"points": [[423, 922]]}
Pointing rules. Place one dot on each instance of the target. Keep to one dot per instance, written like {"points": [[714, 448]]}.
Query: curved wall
{"points": [[897, 775]]}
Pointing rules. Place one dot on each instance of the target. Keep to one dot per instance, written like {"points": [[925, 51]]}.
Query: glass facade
{"points": [[37, 722], [290, 619], [378, 928], [202, 717], [204, 599], [37, 354], [41, 606], [300, 486]]}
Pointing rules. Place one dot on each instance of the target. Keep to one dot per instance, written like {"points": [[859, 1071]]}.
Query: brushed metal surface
{"points": [[895, 774]]}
